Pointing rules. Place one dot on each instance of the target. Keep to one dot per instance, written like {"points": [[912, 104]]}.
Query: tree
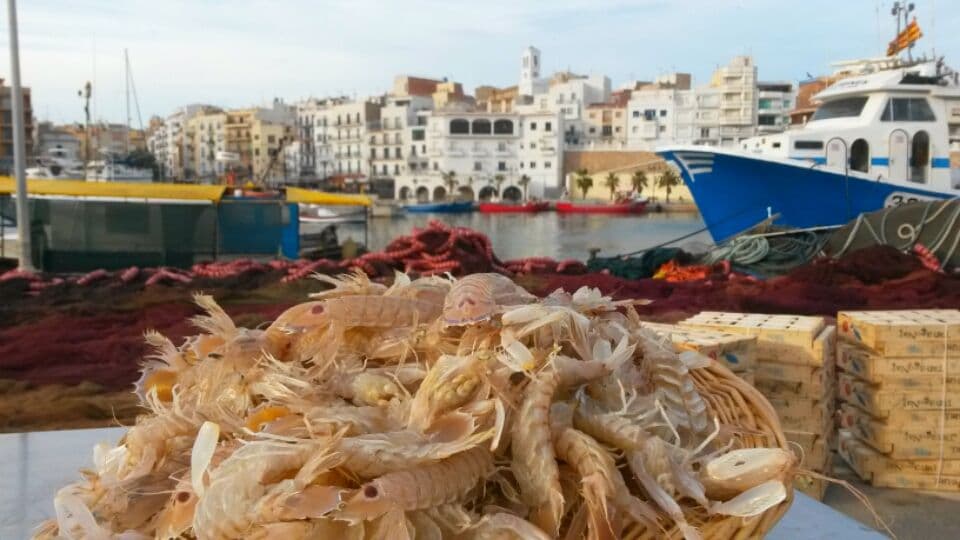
{"points": [[450, 179], [639, 181], [524, 181], [669, 180], [612, 181], [583, 182], [498, 180], [143, 159]]}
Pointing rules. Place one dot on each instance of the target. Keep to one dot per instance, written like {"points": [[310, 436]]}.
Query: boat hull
{"points": [[441, 208], [504, 208], [735, 191], [565, 207]]}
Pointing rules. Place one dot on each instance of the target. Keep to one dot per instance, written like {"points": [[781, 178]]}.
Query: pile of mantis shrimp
{"points": [[429, 408]]}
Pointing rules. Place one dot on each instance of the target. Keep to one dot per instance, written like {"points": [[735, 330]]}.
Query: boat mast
{"points": [[126, 80], [19, 148]]}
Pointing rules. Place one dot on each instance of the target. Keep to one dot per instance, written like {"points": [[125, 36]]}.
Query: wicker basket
{"points": [[740, 405]]}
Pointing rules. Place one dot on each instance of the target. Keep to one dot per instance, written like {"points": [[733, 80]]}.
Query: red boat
{"points": [[529, 207], [622, 208]]}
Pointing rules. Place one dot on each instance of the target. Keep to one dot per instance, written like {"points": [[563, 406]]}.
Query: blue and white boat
{"points": [[881, 137]]}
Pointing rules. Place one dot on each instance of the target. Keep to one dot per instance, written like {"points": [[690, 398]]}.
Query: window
{"points": [[663, 112], [502, 166], [384, 169], [907, 110], [533, 146], [436, 166], [373, 153], [808, 145], [767, 120], [636, 114], [841, 108], [547, 164], [503, 127], [423, 148], [649, 114], [256, 151], [413, 166], [477, 166], [919, 157], [481, 127], [418, 135], [663, 129], [704, 133], [396, 169], [547, 126], [533, 164], [765, 103], [459, 126], [413, 150], [501, 147], [533, 126], [521, 164], [593, 130], [617, 129], [617, 114]]}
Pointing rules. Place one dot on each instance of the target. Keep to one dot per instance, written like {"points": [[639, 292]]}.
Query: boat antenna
{"points": [[126, 77], [85, 94], [133, 89]]}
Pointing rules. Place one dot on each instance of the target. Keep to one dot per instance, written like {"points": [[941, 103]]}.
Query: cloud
{"points": [[246, 52]]}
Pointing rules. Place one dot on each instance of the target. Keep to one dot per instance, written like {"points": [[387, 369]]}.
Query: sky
{"points": [[246, 52]]}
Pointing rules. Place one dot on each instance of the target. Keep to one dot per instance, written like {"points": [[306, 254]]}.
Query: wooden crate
{"points": [[901, 441], [813, 381], [738, 352], [881, 402], [931, 332], [925, 419], [815, 447], [783, 338], [882, 471], [896, 371], [799, 414], [793, 390]]}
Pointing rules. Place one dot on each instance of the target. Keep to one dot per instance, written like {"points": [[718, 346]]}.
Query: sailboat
{"points": [[110, 168]]}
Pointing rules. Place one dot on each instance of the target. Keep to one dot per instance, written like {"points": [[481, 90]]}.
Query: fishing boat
{"points": [[881, 137], [619, 208], [457, 207], [529, 207]]}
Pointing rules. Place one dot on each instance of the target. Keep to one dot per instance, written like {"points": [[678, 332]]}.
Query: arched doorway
{"points": [[404, 193], [837, 153], [439, 193], [919, 157], [899, 155], [465, 193], [860, 156], [512, 193], [423, 194], [487, 193]]}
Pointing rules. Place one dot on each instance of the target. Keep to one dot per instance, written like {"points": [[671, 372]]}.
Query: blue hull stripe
{"points": [[880, 162], [941, 163], [738, 191]]}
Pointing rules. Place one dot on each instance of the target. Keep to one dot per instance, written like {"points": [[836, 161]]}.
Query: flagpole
{"points": [[19, 148]]}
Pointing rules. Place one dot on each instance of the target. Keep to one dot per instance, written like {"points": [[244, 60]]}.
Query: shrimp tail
{"points": [[216, 322], [599, 524]]}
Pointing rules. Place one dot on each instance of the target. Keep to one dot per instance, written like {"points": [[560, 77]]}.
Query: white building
{"points": [[489, 155], [399, 144], [207, 143], [347, 132], [56, 139], [668, 111], [169, 142], [775, 100]]}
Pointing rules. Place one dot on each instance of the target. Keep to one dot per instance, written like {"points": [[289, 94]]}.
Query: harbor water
{"points": [[546, 234]]}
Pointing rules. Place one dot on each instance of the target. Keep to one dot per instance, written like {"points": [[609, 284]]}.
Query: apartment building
{"points": [[775, 100], [398, 144], [206, 132], [169, 142], [6, 124], [348, 126], [605, 125]]}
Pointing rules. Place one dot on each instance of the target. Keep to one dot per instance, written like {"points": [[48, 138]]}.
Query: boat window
{"points": [[919, 157], [860, 156], [808, 145], [907, 110], [841, 108]]}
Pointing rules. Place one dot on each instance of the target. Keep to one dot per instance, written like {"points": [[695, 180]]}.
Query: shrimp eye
{"points": [[183, 496], [316, 310], [370, 492]]}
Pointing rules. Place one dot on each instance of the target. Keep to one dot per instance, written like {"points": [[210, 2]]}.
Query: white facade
{"points": [[169, 142], [569, 97], [348, 125], [399, 144], [530, 81], [56, 139], [487, 151], [208, 136]]}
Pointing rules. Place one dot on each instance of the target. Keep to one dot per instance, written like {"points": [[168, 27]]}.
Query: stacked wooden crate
{"points": [[736, 351], [899, 387], [795, 368]]}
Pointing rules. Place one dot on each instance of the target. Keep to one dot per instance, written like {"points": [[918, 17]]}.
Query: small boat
{"points": [[619, 208], [457, 207], [529, 207]]}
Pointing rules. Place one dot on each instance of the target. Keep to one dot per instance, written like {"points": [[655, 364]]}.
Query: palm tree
{"points": [[583, 182], [639, 181], [450, 179], [524, 181], [498, 180], [612, 181], [669, 180]]}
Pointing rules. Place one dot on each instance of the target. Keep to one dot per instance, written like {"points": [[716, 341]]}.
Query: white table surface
{"points": [[34, 465]]}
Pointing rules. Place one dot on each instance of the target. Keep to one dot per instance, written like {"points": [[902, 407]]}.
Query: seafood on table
{"points": [[430, 408]]}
